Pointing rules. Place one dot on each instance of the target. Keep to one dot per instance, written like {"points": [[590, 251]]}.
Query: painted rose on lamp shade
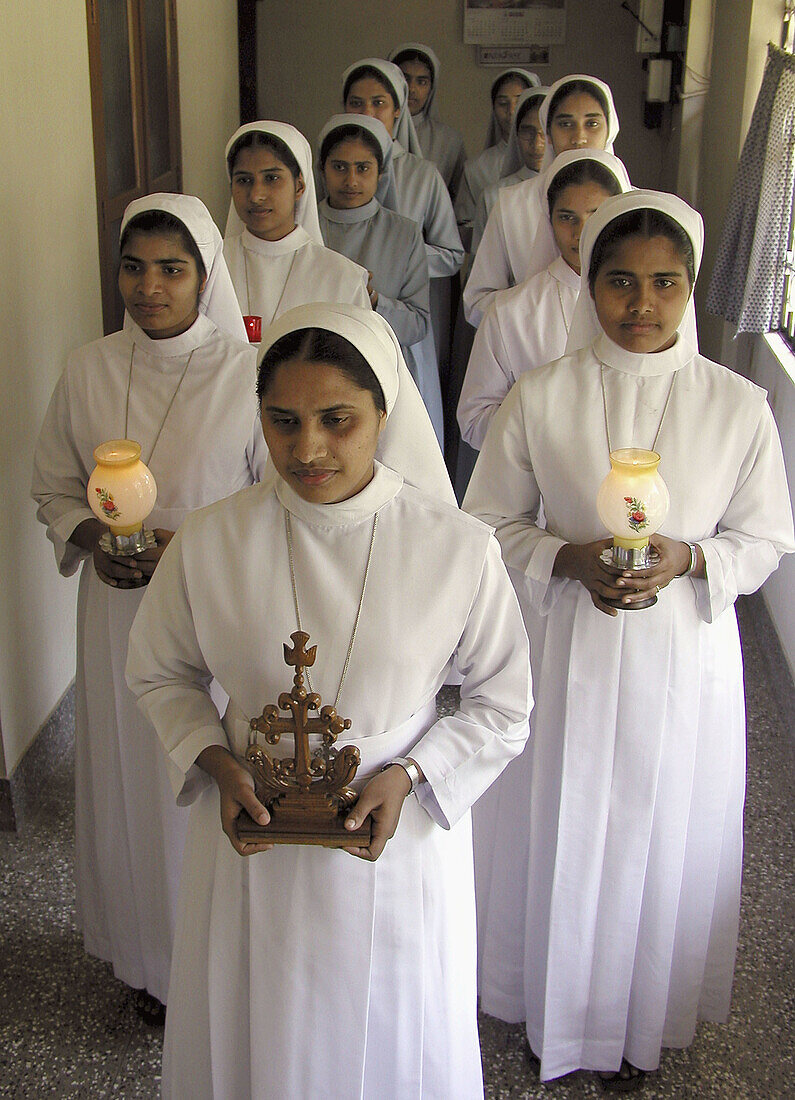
{"points": [[122, 493], [633, 499]]}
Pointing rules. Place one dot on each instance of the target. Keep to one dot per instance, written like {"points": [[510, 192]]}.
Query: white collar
{"points": [[295, 239], [171, 347], [383, 487]]}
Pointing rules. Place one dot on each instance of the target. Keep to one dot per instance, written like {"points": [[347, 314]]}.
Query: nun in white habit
{"points": [[619, 932], [517, 165], [504, 255], [528, 325], [273, 245], [486, 168], [370, 231], [187, 398], [440, 143], [301, 971]]}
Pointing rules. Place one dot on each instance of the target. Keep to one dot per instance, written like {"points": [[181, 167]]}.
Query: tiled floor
{"points": [[68, 1028]]}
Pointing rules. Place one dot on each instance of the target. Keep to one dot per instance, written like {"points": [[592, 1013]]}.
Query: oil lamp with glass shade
{"points": [[632, 503], [121, 493]]}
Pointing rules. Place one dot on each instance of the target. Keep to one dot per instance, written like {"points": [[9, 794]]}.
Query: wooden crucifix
{"points": [[308, 794]]}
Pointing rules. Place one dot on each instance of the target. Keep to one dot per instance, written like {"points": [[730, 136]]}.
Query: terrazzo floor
{"points": [[68, 1028]]}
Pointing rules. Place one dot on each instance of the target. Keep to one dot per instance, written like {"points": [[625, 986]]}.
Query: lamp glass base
{"points": [[644, 559], [127, 546]]}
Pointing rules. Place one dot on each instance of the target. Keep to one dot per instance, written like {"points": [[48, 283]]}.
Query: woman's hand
{"points": [[371, 290], [582, 563], [148, 559], [674, 560], [383, 799], [236, 787]]}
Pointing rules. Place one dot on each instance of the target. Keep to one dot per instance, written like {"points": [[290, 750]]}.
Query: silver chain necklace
{"points": [[289, 533], [562, 310], [168, 410], [284, 287], [604, 406]]}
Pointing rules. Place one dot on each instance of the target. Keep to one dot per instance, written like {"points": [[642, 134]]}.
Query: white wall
{"points": [[303, 49]]}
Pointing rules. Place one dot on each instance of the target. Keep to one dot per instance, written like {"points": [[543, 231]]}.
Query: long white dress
{"points": [[488, 197], [504, 249], [479, 172], [304, 972], [524, 327], [271, 277], [611, 924], [129, 833]]}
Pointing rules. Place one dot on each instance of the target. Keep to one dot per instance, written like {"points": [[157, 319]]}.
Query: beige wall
{"points": [[51, 297], [209, 100], [303, 49]]}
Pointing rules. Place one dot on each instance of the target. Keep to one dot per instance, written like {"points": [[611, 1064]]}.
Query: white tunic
{"points": [[129, 834], [479, 172], [504, 251], [304, 972], [443, 146], [617, 922], [488, 198], [524, 327], [271, 277]]}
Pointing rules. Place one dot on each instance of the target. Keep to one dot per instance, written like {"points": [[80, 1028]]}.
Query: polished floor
{"points": [[68, 1028]]}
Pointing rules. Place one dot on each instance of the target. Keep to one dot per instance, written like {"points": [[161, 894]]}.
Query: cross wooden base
{"points": [[297, 826]]}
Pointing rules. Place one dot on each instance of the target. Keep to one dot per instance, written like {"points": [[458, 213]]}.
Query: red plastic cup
{"points": [[253, 328]]}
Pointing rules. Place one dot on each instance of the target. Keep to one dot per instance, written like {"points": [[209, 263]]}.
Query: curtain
{"points": [[747, 286]]}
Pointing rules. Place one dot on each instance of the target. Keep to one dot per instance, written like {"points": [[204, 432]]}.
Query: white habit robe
{"points": [[271, 277], [488, 198], [303, 971], [619, 929], [505, 248], [391, 247], [443, 146], [129, 833], [479, 173], [524, 327]]}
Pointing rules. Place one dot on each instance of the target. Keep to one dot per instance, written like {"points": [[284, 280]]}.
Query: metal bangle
{"points": [[409, 767]]}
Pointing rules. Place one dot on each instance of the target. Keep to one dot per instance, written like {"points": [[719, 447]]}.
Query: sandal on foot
{"points": [[627, 1079], [151, 1011]]}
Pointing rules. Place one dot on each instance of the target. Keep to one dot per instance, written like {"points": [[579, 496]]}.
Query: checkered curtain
{"points": [[747, 286]]}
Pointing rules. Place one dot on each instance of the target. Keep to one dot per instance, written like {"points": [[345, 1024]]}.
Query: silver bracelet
{"points": [[693, 548], [409, 767]]}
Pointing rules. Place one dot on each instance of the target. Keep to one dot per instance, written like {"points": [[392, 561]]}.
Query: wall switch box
{"points": [[658, 79], [650, 24]]}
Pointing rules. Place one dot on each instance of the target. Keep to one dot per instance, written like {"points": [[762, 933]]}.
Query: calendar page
{"points": [[514, 22]]}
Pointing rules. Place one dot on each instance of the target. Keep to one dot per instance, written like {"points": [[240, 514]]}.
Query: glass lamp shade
{"points": [[633, 499], [121, 490]]}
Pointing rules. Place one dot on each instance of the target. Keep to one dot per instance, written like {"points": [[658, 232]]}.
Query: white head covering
{"points": [[407, 444], [432, 61], [386, 192], [404, 131], [513, 160], [306, 207], [218, 300], [544, 249], [606, 94], [585, 325], [493, 133]]}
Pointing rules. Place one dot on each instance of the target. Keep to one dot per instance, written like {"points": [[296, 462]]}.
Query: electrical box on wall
{"points": [[658, 80], [650, 24]]}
